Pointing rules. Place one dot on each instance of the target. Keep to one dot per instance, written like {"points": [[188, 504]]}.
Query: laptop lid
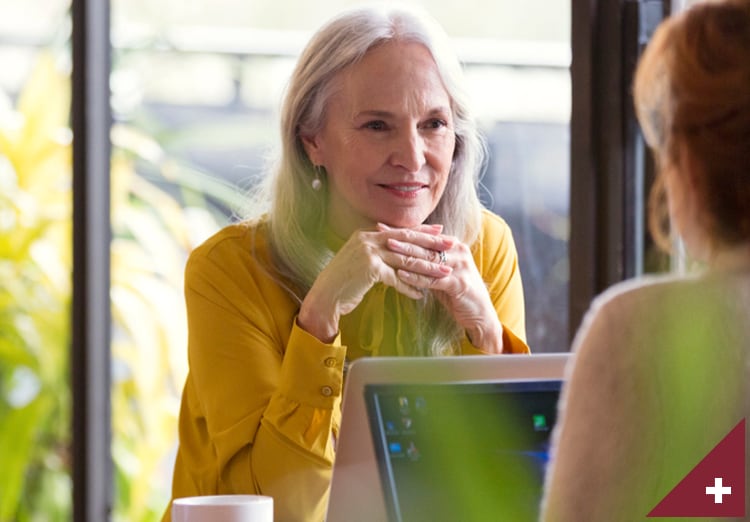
{"points": [[469, 451], [355, 492]]}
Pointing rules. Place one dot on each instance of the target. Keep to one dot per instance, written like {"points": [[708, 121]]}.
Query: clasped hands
{"points": [[412, 261]]}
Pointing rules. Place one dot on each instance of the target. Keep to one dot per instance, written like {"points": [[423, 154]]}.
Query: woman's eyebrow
{"points": [[374, 113], [378, 113]]}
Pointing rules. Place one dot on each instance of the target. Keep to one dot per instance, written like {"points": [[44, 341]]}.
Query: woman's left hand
{"points": [[462, 292]]}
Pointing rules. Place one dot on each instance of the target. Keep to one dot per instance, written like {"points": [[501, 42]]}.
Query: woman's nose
{"points": [[409, 151]]}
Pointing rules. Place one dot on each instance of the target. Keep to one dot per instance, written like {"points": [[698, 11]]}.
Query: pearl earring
{"points": [[316, 182]]}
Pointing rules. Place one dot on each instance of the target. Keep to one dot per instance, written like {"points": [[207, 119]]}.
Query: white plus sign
{"points": [[718, 490]]}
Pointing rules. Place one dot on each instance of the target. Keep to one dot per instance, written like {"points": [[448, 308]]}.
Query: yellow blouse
{"points": [[261, 404]]}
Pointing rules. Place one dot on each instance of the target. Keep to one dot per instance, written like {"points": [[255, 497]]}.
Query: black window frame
{"points": [[611, 171], [91, 315]]}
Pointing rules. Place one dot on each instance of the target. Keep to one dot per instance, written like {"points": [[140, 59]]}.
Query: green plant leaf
{"points": [[18, 439]]}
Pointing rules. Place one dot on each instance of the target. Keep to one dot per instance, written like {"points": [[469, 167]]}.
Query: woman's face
{"points": [[388, 139]]}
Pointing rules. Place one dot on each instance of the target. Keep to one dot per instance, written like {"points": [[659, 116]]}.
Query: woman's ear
{"points": [[313, 149]]}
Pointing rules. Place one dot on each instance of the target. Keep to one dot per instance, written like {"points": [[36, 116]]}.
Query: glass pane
{"points": [[196, 88], [35, 260]]}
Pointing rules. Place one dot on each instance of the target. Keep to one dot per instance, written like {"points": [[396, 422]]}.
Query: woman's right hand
{"points": [[363, 261]]}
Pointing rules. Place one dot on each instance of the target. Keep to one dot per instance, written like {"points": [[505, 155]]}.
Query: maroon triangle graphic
{"points": [[715, 487]]}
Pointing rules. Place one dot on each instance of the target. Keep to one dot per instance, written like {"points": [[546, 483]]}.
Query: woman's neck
{"points": [[731, 259]]}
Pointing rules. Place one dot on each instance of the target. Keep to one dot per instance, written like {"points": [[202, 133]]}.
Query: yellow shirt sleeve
{"points": [[261, 403], [497, 260]]}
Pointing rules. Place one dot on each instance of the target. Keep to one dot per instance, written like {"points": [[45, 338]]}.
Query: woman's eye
{"points": [[376, 125], [435, 124]]}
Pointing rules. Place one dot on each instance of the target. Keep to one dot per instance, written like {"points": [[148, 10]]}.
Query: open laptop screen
{"points": [[462, 451]]}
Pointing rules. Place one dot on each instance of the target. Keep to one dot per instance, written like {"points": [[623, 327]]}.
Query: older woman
{"points": [[374, 243], [661, 364]]}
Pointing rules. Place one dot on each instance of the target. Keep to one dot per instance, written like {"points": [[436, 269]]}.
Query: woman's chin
{"points": [[404, 221]]}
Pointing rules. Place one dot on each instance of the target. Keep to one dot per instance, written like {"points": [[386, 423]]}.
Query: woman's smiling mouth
{"points": [[408, 190]]}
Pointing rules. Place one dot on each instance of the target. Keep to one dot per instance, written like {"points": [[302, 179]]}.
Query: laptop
{"points": [[356, 491], [469, 451]]}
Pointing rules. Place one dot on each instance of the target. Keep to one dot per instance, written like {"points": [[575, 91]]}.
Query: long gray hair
{"points": [[296, 212]]}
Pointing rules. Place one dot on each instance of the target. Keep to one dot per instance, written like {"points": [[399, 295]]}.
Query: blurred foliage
{"points": [[35, 260], [153, 231]]}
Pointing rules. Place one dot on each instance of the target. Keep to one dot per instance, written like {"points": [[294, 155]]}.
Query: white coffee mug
{"points": [[223, 508]]}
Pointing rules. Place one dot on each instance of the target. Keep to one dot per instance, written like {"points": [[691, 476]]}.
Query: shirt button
{"points": [[327, 391], [330, 362]]}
